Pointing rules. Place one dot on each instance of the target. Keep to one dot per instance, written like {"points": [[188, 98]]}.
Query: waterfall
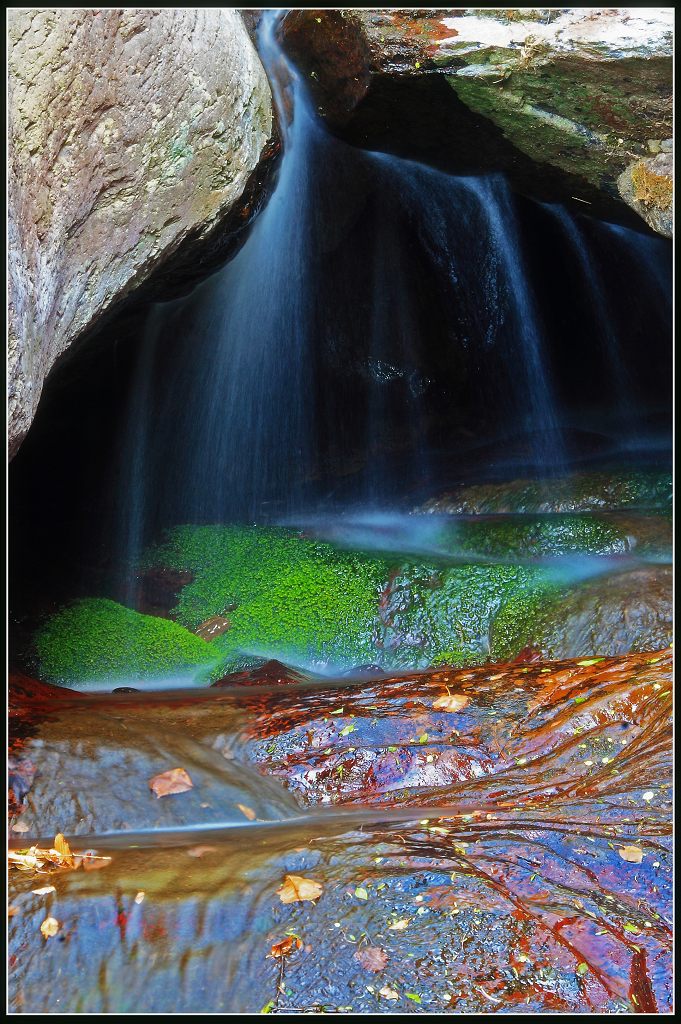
{"points": [[317, 339]]}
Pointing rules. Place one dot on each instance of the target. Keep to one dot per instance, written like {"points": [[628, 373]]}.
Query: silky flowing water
{"points": [[493, 838]]}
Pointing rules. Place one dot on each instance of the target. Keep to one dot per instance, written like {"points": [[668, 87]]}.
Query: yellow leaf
{"points": [[61, 846], [44, 891], [50, 927], [295, 889], [451, 702], [250, 814], [633, 854], [399, 926], [388, 993]]}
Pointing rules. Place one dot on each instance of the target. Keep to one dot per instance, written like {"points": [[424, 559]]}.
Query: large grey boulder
{"points": [[130, 131]]}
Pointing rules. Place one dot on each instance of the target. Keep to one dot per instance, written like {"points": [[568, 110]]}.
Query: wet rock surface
{"points": [[581, 93], [576, 493], [512, 853], [127, 138], [625, 611]]}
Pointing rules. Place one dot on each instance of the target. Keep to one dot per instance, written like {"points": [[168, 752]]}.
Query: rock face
{"points": [[609, 615], [648, 187], [130, 131], [587, 92]]}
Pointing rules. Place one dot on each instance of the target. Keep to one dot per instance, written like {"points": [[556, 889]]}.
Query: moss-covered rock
{"points": [[648, 187], [580, 92], [435, 616], [507, 537], [608, 615], [98, 641], [583, 492], [287, 595]]}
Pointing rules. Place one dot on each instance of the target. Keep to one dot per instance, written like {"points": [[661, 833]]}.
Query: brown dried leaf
{"points": [[50, 927], [372, 958], [248, 811], [24, 861], [284, 948], [451, 702], [168, 783], [11, 911], [294, 889], [633, 854], [92, 862], [199, 851]]}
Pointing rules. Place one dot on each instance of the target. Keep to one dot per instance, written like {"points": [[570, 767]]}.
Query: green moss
{"points": [[535, 536], [433, 616], [97, 640], [580, 493], [517, 624], [295, 598]]}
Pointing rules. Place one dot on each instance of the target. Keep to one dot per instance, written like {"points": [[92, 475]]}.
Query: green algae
{"points": [[97, 640], [287, 595], [431, 616], [538, 536], [584, 492]]}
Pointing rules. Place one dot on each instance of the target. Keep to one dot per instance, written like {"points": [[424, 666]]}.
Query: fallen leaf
{"points": [[399, 926], [11, 911], [633, 854], [63, 849], [451, 702], [168, 783], [388, 993], [93, 862], [199, 851], [61, 846], [44, 890], [284, 948], [20, 826], [361, 893], [372, 958], [294, 889], [249, 812], [139, 898], [50, 927]]}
